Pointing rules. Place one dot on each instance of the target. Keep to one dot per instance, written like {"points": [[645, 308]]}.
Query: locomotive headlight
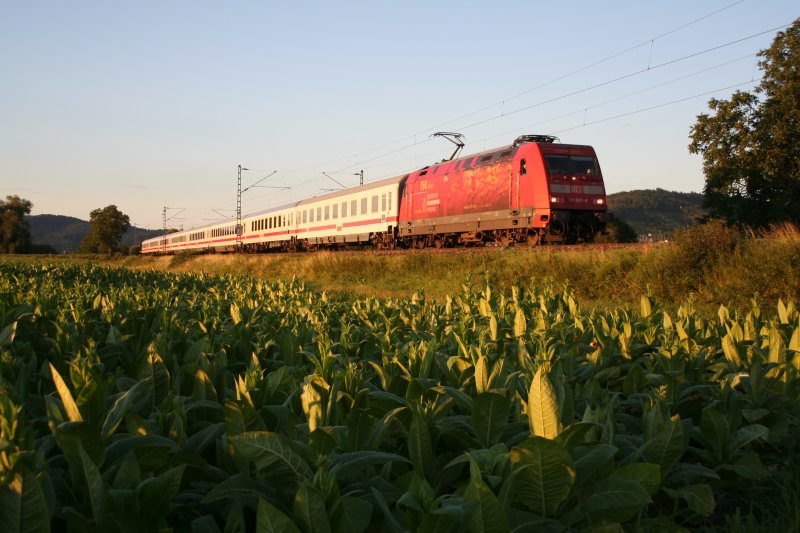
{"points": [[599, 201], [554, 199]]}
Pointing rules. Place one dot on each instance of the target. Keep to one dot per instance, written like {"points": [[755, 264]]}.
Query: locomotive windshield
{"points": [[571, 164]]}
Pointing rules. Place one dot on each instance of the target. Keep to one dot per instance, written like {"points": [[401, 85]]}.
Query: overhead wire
{"points": [[413, 140]]}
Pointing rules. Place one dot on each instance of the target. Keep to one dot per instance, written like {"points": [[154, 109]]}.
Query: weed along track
{"points": [[190, 401]]}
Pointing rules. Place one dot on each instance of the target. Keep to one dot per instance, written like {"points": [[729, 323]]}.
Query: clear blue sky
{"points": [[152, 104]]}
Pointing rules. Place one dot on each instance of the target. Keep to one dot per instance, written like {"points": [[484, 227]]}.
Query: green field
{"points": [[145, 400]]}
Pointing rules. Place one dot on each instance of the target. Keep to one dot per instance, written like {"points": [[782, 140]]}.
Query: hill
{"points": [[64, 233], [656, 211]]}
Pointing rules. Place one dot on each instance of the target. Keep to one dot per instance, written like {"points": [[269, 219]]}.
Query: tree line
{"points": [[107, 226]]}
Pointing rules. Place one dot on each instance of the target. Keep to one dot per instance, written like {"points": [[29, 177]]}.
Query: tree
{"points": [[15, 234], [751, 144], [618, 231], [108, 225]]}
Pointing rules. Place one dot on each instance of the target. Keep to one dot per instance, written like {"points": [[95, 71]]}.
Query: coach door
{"points": [[517, 177]]}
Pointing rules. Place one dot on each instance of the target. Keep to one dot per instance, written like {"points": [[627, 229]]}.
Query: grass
{"points": [[710, 265]]}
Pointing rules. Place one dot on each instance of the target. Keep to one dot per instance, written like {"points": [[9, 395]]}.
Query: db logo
{"points": [[577, 189]]}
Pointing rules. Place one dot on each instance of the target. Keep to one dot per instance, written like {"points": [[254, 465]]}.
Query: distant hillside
{"points": [[657, 212], [65, 233]]}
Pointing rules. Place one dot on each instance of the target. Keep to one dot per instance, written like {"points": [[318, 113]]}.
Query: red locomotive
{"points": [[534, 191]]}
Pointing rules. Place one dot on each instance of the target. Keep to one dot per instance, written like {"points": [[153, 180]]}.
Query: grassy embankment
{"points": [[710, 264]]}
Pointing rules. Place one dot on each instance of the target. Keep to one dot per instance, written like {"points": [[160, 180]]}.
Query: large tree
{"points": [[15, 234], [751, 144], [108, 225]]}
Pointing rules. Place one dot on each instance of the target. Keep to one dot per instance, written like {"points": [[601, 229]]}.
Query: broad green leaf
{"points": [[482, 374], [356, 514], [747, 434], [595, 458], [238, 487], [205, 524], [420, 449], [390, 522], [95, 485], [114, 336], [346, 464], [270, 520], [490, 417], [699, 497], [22, 504], [783, 313], [646, 308], [266, 449], [154, 368], [647, 474], [156, 493], [666, 447], [544, 475], [731, 351], [313, 401], [66, 396], [715, 429], [488, 515], [360, 428], [748, 466], [124, 403], [310, 511], [543, 407], [198, 442], [203, 388], [236, 314], [520, 324], [616, 499], [493, 327], [8, 334]]}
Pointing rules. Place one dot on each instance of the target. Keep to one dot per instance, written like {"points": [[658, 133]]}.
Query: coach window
{"points": [[305, 216], [311, 215], [390, 201], [383, 202], [319, 213], [335, 211], [344, 209], [375, 203], [353, 207]]}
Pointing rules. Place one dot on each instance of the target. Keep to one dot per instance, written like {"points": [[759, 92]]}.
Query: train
{"points": [[535, 191]]}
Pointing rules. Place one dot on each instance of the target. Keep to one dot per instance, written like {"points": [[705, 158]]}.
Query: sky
{"points": [[147, 105]]}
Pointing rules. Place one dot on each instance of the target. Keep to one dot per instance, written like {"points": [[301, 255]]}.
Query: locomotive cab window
{"points": [[583, 165], [558, 164]]}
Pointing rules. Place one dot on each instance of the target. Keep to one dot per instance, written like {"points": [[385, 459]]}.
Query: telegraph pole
{"points": [[239, 208], [164, 238], [164, 223]]}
